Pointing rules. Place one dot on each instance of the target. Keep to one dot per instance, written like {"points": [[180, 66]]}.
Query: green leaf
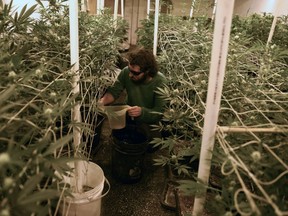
{"points": [[4, 95], [16, 59], [29, 186], [40, 196], [24, 15], [59, 143], [191, 187], [4, 109], [40, 3]]}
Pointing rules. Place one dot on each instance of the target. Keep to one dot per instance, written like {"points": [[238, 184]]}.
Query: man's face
{"points": [[136, 75]]}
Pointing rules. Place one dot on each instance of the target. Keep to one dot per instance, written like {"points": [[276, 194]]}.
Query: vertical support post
{"points": [[192, 8], [115, 9], [122, 8], [215, 85], [276, 14], [83, 5], [74, 53], [100, 6], [148, 8], [214, 10], [156, 20]]}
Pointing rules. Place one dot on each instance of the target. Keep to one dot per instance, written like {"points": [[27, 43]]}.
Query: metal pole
{"points": [[156, 27], [216, 77], [74, 57]]}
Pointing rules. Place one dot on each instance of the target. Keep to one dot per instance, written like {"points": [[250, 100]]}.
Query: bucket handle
{"points": [[109, 187], [102, 195]]}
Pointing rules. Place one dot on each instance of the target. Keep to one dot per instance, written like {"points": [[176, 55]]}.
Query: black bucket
{"points": [[128, 152]]}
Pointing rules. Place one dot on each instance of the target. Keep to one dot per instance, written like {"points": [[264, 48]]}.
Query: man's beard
{"points": [[140, 81]]}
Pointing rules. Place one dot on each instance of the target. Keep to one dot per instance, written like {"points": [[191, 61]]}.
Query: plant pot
{"points": [[88, 202]]}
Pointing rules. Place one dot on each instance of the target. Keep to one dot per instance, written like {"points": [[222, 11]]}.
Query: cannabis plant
{"points": [[30, 108], [36, 101], [252, 126]]}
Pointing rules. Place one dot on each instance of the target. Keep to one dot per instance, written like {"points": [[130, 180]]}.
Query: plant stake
{"points": [[216, 77]]}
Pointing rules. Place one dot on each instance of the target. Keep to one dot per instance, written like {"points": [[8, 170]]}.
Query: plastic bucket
{"points": [[88, 202], [128, 152], [116, 116]]}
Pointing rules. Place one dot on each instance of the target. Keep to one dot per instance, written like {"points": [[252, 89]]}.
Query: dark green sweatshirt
{"points": [[142, 95]]}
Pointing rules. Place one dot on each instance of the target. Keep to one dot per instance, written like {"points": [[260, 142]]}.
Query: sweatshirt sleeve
{"points": [[154, 114], [118, 86]]}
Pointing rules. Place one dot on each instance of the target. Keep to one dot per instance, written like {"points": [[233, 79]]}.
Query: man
{"points": [[141, 80]]}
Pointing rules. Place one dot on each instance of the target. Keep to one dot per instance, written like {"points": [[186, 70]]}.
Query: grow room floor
{"points": [[137, 199]]}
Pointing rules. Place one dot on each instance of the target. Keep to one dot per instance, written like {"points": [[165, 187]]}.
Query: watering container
{"points": [[129, 146], [116, 116]]}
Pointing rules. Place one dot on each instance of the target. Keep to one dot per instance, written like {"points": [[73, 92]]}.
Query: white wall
{"points": [[248, 7]]}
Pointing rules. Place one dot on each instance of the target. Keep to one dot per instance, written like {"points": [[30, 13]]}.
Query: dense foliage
{"points": [[36, 99], [254, 101]]}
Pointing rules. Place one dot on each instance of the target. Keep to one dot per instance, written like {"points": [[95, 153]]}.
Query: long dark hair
{"points": [[145, 59]]}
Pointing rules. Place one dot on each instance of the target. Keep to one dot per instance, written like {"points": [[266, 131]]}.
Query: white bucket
{"points": [[116, 116], [87, 203]]}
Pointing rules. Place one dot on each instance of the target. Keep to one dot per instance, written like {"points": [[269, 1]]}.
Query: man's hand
{"points": [[134, 111]]}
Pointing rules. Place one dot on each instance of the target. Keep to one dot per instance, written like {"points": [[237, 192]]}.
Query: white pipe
{"points": [[122, 8], [83, 5], [115, 9], [148, 8], [276, 14], [100, 6], [214, 9], [271, 33], [74, 58], [216, 77], [156, 20], [87, 6], [192, 8]]}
